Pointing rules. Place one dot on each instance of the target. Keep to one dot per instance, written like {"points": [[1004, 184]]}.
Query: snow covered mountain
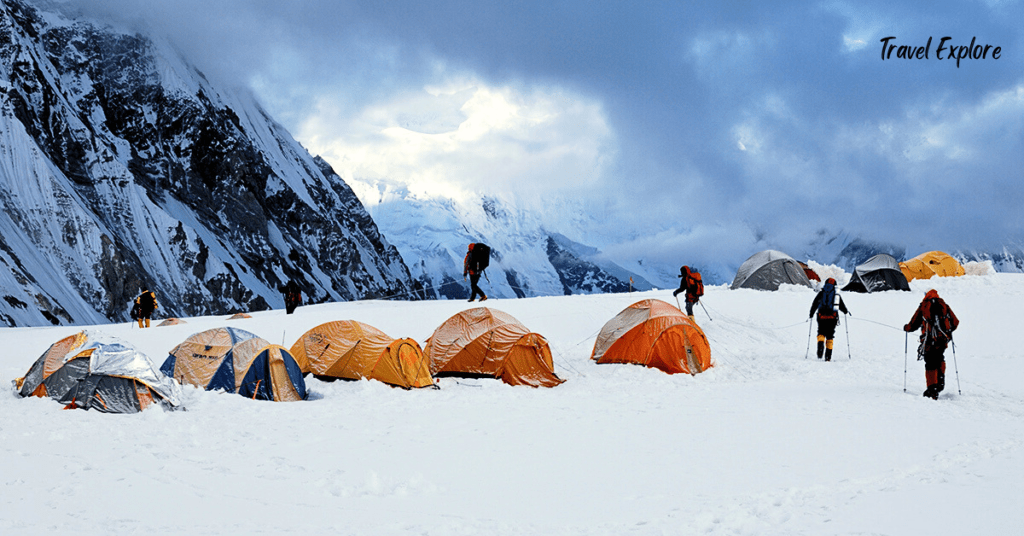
{"points": [[432, 235], [121, 166]]}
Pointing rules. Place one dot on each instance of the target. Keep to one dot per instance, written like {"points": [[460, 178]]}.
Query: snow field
{"points": [[766, 442]]}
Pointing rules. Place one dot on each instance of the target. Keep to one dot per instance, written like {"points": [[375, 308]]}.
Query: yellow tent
{"points": [[352, 350], [929, 264]]}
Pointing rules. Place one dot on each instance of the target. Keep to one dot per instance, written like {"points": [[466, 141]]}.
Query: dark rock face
{"points": [[124, 167], [579, 276]]}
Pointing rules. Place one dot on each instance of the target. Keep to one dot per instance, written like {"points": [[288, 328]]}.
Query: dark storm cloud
{"points": [[781, 116]]}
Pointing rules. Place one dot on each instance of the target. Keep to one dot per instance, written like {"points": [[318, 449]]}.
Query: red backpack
{"points": [[694, 284]]}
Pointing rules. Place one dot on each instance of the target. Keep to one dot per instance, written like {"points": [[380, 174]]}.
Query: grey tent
{"points": [[767, 270], [878, 273]]}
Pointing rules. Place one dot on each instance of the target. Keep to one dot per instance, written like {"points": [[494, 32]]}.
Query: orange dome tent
{"points": [[932, 263], [655, 334], [488, 342], [352, 350]]}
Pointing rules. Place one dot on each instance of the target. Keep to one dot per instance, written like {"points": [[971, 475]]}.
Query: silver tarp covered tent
{"points": [[767, 270]]}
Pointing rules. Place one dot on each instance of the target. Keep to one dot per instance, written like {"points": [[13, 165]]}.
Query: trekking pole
{"points": [[847, 324], [705, 310], [957, 372], [906, 336], [809, 326]]}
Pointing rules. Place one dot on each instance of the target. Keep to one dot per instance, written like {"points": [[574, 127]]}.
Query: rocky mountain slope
{"points": [[121, 166]]}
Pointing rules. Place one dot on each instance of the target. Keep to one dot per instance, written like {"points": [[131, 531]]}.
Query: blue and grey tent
{"points": [[236, 361]]}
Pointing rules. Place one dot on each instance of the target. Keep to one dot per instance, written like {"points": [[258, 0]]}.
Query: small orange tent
{"points": [[352, 350], [809, 272], [655, 334], [932, 263], [488, 342], [171, 322], [237, 316]]}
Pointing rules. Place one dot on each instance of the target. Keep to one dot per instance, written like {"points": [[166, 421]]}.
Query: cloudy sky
{"points": [[680, 125]]}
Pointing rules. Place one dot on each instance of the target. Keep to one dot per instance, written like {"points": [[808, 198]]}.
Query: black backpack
{"points": [[480, 257], [827, 307]]}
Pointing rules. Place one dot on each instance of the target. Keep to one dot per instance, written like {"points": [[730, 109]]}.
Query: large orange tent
{"points": [[655, 334], [488, 342], [353, 350], [930, 264]]}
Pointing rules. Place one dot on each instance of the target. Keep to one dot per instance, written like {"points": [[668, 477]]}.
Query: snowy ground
{"points": [[767, 442]]}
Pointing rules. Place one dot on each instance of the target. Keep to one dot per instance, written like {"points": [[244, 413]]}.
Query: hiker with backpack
{"points": [[292, 296], [937, 323], [145, 305], [827, 303], [690, 282], [478, 257]]}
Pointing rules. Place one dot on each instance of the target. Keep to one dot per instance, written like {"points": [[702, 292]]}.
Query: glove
{"points": [[906, 327], [675, 293]]}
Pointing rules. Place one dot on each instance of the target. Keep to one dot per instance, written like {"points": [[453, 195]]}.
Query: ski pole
{"points": [[847, 324], [705, 310], [906, 336], [957, 372], [809, 325]]}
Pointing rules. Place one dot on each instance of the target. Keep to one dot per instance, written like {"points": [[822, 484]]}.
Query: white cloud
{"points": [[462, 135]]}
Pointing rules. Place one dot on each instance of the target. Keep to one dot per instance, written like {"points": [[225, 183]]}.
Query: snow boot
{"points": [[821, 348], [484, 298], [931, 393], [828, 350]]}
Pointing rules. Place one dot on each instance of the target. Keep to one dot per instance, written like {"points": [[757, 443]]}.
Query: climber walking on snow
{"points": [[827, 303], [690, 283], [145, 305], [937, 323], [478, 257]]}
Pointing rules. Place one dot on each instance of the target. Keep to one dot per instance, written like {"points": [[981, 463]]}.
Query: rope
{"points": [[873, 322], [731, 320]]}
